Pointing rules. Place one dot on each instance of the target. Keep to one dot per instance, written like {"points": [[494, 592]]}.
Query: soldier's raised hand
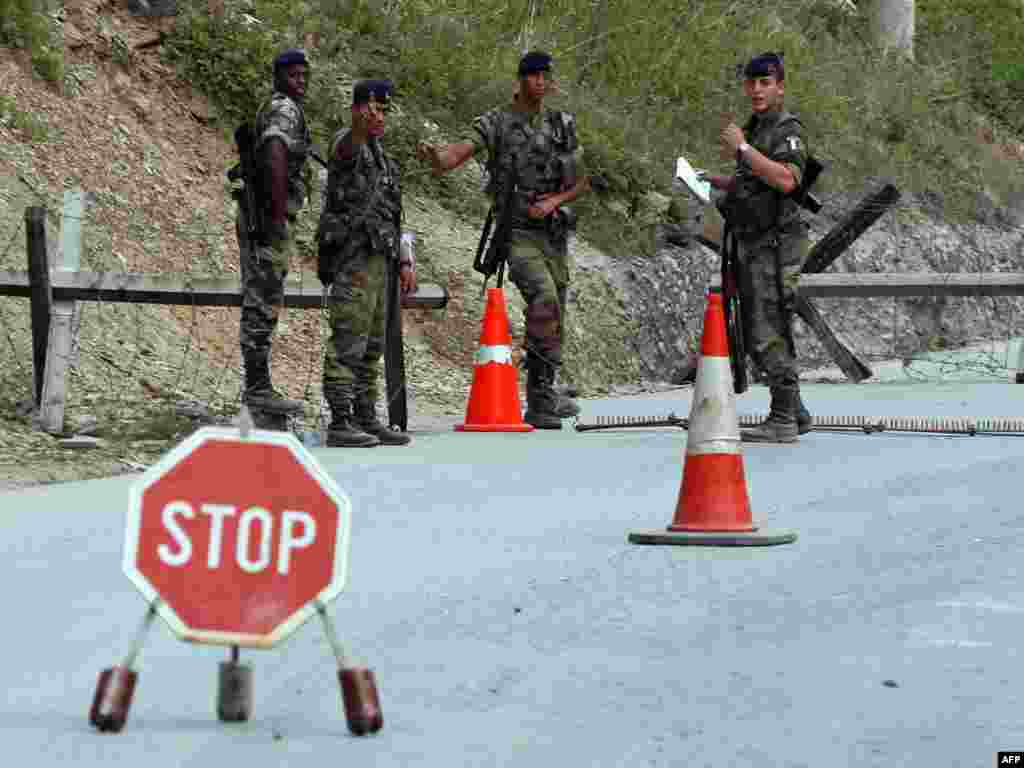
{"points": [[428, 153], [731, 137]]}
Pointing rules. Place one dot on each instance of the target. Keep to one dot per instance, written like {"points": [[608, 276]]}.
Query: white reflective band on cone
{"points": [[499, 353], [703, 447], [714, 426]]}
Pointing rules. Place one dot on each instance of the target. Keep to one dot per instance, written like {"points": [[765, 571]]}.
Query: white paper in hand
{"points": [[698, 187]]}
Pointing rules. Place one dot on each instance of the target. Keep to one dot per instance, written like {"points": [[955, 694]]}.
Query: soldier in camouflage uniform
{"points": [[357, 237], [281, 144], [763, 215], [536, 150]]}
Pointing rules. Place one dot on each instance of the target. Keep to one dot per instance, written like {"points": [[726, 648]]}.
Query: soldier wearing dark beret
{"points": [[359, 229], [282, 142], [533, 151], [763, 215]]}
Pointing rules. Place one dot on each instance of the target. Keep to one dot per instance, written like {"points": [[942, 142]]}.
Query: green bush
{"points": [[26, 24], [648, 80]]}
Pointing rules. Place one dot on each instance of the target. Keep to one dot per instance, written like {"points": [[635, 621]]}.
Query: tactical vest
{"points": [[364, 197], [538, 161], [298, 151], [753, 208]]}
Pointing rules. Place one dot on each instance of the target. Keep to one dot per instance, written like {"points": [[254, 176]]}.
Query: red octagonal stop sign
{"points": [[238, 538]]}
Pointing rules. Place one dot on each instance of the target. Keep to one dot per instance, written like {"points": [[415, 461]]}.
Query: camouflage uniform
{"points": [[537, 152], [773, 247], [357, 239], [264, 265]]}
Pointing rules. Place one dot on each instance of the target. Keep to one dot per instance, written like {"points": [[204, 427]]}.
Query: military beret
{"points": [[378, 89], [534, 61], [765, 65], [289, 57]]}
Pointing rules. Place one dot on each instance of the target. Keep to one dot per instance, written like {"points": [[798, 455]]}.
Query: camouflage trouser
{"points": [[540, 270], [264, 269], [358, 316], [768, 278]]}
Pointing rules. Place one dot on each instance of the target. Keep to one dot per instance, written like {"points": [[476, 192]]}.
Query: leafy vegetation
{"points": [[27, 24], [648, 80]]}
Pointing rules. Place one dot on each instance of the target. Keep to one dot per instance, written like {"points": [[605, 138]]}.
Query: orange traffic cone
{"points": [[713, 506], [494, 399]]}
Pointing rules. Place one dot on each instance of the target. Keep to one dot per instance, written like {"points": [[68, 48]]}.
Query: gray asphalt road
{"points": [[510, 624]]}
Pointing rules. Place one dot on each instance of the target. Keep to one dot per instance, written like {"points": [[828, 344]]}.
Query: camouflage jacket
{"points": [[282, 118], [753, 207], [363, 197], [535, 152]]}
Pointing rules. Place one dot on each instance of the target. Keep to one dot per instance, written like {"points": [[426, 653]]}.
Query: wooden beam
{"points": [[173, 289], [855, 223], [907, 284]]}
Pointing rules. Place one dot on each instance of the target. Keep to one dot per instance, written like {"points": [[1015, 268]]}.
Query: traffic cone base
{"points": [[494, 427], [713, 507], [494, 397], [690, 538]]}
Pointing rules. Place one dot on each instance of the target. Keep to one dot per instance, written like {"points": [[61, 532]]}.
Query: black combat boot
{"points": [[541, 400], [259, 395], [343, 431], [804, 421], [780, 426], [366, 419]]}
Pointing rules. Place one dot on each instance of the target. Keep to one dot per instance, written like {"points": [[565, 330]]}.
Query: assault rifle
{"points": [[492, 249], [733, 312], [245, 184], [394, 349]]}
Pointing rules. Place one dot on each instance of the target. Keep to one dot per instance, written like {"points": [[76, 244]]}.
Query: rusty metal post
{"points": [[116, 686], [41, 297], [234, 690], [358, 685]]}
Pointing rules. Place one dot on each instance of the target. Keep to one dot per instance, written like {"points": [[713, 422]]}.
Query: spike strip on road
{"points": [[865, 424]]}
